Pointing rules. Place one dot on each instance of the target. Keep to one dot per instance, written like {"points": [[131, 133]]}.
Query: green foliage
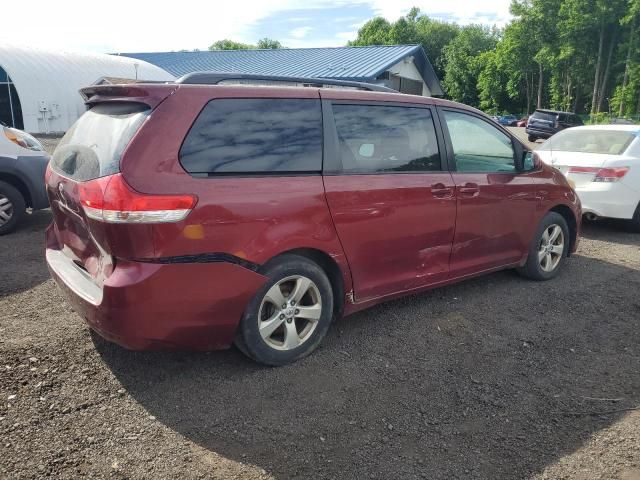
{"points": [[263, 43], [269, 43], [464, 62], [414, 28], [565, 54], [227, 44]]}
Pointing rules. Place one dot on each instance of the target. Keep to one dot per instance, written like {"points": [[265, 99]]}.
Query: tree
{"points": [[621, 96], [414, 28], [227, 44], [566, 54], [375, 32], [463, 62], [268, 43]]}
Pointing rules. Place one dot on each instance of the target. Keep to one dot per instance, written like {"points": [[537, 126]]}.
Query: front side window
{"points": [[255, 136], [378, 138], [478, 146]]}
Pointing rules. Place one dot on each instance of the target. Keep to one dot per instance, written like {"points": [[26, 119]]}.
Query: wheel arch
{"points": [[571, 220], [329, 265], [19, 185]]}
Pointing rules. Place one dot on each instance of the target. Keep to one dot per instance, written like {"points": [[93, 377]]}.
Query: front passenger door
{"points": [[496, 204]]}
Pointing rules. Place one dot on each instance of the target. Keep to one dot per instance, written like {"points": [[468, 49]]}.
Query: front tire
{"points": [[290, 315], [532, 139], [12, 208], [549, 248]]}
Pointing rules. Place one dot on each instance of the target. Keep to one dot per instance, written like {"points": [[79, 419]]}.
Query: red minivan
{"points": [[205, 212]]}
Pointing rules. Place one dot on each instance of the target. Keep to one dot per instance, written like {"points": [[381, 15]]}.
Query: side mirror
{"points": [[528, 161]]}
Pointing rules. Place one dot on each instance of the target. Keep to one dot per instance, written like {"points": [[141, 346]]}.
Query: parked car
{"points": [[545, 123], [522, 122], [508, 120], [23, 161], [603, 161], [195, 215]]}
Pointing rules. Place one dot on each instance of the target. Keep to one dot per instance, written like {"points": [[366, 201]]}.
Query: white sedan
{"points": [[603, 164]]}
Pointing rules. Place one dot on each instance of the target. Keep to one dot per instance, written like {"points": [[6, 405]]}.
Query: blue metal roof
{"points": [[346, 63]]}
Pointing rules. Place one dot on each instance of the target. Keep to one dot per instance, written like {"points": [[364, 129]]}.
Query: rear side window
{"points": [[374, 138], [92, 147], [253, 136]]}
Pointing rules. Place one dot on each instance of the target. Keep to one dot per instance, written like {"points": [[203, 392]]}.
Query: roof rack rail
{"points": [[210, 78]]}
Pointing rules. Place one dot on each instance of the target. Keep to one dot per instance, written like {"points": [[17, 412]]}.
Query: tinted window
{"points": [[92, 147], [548, 116], [612, 142], [386, 139], [255, 136], [478, 146]]}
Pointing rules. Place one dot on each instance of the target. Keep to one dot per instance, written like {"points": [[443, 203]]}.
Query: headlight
{"points": [[23, 139]]}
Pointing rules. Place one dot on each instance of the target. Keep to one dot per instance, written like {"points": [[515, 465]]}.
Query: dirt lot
{"points": [[497, 377]]}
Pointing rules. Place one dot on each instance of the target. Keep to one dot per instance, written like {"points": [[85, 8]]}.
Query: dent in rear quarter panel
{"points": [[255, 218]]}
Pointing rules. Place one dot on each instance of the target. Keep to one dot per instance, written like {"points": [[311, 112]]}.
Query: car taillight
{"points": [[612, 174], [110, 199]]}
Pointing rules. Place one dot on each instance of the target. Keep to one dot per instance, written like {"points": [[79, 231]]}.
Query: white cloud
{"points": [[129, 26], [300, 32], [463, 11]]}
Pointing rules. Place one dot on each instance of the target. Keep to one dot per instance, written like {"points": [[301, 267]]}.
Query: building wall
{"points": [[407, 68], [48, 81]]}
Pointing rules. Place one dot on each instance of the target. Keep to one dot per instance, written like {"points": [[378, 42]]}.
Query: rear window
{"points": [[254, 136], [551, 117], [609, 142], [92, 147]]}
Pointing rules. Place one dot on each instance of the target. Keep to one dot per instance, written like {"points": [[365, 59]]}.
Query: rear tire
{"points": [[635, 221], [290, 315], [531, 138], [12, 208], [548, 250]]}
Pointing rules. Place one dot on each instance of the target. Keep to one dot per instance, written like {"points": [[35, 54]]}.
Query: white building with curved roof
{"points": [[39, 88]]}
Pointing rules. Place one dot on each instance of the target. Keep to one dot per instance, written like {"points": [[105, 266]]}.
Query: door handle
{"points": [[469, 190], [440, 190]]}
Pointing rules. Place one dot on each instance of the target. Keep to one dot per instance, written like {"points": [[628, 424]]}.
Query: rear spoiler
{"points": [[151, 94]]}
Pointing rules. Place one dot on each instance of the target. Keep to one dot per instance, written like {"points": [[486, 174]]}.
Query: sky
{"points": [[144, 26]]}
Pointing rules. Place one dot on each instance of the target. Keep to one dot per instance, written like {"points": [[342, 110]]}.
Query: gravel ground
{"points": [[496, 377]]}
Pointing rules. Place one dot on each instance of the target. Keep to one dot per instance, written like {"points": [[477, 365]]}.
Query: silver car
{"points": [[23, 162]]}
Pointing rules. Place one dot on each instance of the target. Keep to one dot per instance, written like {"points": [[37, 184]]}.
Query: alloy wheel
{"points": [[6, 210], [289, 312], [551, 248]]}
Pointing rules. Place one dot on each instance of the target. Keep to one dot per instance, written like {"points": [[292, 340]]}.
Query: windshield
{"points": [[608, 142]]}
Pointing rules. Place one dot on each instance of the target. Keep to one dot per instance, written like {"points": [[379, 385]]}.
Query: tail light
{"points": [[608, 175], [110, 199]]}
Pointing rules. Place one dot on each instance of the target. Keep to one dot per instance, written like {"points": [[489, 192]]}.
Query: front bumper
{"points": [[147, 306], [612, 200]]}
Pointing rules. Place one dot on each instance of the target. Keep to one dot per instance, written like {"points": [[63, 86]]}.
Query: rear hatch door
{"points": [[89, 154], [543, 121]]}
